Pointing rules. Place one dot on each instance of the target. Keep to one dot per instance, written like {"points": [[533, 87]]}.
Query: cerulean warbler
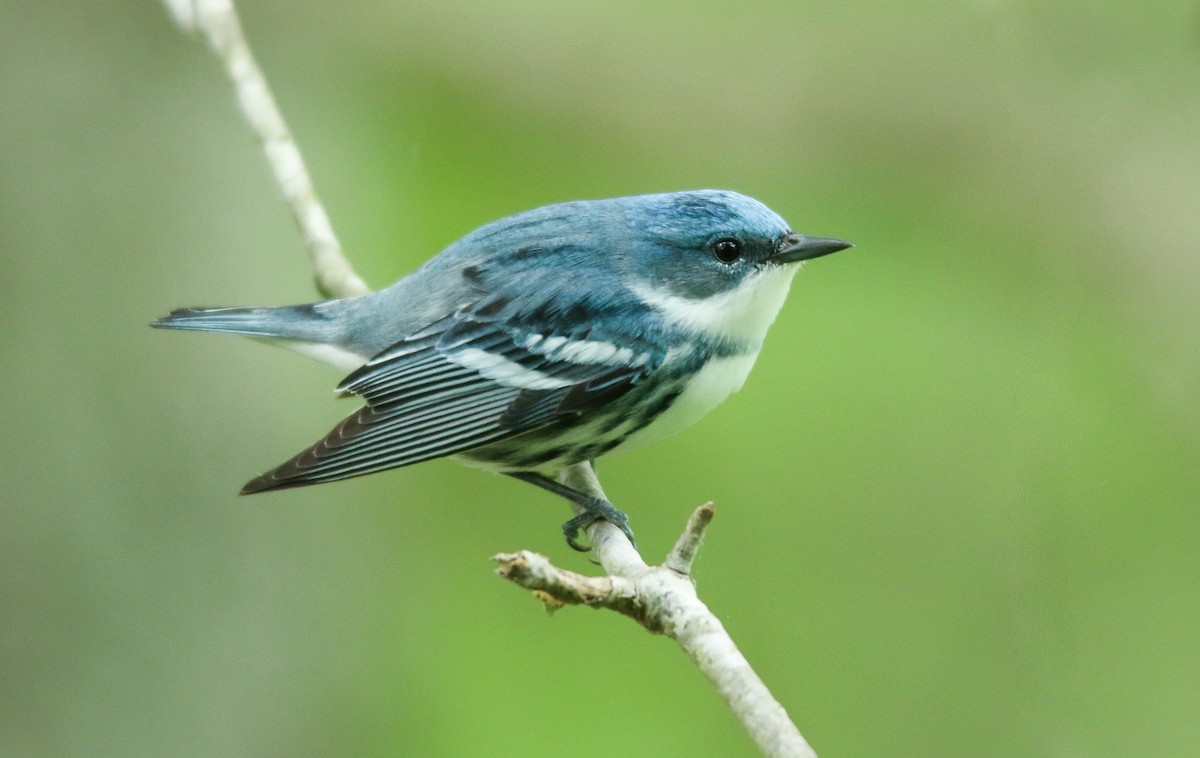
{"points": [[544, 339]]}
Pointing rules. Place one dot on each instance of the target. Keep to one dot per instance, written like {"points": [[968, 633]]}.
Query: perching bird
{"points": [[544, 339]]}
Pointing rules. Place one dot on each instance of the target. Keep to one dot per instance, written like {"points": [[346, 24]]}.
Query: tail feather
{"points": [[297, 322]]}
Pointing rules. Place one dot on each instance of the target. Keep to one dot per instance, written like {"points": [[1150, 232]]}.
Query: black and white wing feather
{"points": [[465, 381]]}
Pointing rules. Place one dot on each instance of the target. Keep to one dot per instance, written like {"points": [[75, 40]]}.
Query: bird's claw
{"points": [[596, 510]]}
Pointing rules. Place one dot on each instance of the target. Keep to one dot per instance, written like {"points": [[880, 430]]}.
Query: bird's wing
{"points": [[465, 381]]}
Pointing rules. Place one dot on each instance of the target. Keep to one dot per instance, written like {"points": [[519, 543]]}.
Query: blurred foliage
{"points": [[957, 499]]}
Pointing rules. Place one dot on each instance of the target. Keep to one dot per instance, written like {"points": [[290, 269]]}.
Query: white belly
{"points": [[720, 378]]}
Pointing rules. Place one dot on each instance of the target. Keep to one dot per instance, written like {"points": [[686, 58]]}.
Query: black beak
{"points": [[797, 247]]}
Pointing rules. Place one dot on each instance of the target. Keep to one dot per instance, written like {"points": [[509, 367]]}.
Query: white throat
{"points": [[742, 314]]}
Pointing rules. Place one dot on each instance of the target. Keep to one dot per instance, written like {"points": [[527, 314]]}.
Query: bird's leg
{"points": [[594, 508]]}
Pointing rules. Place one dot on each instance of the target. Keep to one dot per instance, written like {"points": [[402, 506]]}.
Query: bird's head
{"points": [[702, 243], [712, 262]]}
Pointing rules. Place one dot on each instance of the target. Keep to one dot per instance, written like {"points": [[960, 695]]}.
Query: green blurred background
{"points": [[957, 500]]}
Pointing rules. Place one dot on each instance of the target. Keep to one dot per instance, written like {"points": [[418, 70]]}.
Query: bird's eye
{"points": [[727, 250]]}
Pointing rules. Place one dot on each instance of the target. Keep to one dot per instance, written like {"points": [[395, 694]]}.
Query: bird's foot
{"points": [[596, 509]]}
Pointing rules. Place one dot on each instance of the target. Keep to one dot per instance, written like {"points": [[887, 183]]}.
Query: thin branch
{"points": [[218, 21], [661, 598], [684, 553]]}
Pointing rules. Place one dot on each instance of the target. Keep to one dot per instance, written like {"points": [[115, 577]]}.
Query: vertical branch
{"points": [[218, 21]]}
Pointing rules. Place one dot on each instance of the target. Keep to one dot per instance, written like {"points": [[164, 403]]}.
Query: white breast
{"points": [[717, 380]]}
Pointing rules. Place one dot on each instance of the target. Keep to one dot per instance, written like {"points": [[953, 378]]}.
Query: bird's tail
{"points": [[293, 322]]}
